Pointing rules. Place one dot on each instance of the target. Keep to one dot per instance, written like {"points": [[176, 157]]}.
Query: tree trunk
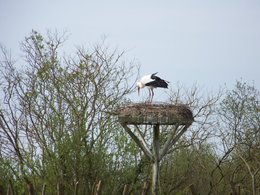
{"points": [[253, 184], [10, 190], [146, 188], [99, 188], [126, 189], [43, 189]]}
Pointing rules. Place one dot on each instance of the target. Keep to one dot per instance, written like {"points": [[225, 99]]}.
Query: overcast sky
{"points": [[207, 42]]}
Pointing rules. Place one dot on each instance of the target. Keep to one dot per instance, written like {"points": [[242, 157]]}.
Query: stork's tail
{"points": [[163, 84]]}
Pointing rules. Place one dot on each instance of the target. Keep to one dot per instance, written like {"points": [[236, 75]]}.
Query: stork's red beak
{"points": [[138, 89]]}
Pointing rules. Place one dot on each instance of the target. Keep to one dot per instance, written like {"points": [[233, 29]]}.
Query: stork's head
{"points": [[139, 86]]}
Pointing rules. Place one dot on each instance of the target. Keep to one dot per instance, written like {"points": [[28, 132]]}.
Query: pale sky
{"points": [[188, 41]]}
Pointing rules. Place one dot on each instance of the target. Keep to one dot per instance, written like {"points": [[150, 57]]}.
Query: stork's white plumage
{"points": [[151, 81]]}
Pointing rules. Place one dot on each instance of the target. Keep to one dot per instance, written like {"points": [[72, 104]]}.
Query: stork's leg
{"points": [[149, 97], [152, 95]]}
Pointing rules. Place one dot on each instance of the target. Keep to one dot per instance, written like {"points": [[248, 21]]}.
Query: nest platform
{"points": [[155, 114]]}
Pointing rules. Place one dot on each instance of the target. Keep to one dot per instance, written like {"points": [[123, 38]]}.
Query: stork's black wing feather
{"points": [[157, 83]]}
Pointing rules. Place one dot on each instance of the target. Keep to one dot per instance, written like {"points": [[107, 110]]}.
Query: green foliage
{"points": [[186, 167]]}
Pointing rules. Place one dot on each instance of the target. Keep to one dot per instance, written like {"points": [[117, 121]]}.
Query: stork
{"points": [[151, 81]]}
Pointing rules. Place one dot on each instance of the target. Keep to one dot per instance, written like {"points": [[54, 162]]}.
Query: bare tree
{"points": [[55, 117], [195, 140], [239, 112]]}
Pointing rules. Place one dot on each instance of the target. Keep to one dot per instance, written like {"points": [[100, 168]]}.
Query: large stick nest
{"points": [[163, 114]]}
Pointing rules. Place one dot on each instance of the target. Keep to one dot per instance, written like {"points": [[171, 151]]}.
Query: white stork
{"points": [[151, 81]]}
